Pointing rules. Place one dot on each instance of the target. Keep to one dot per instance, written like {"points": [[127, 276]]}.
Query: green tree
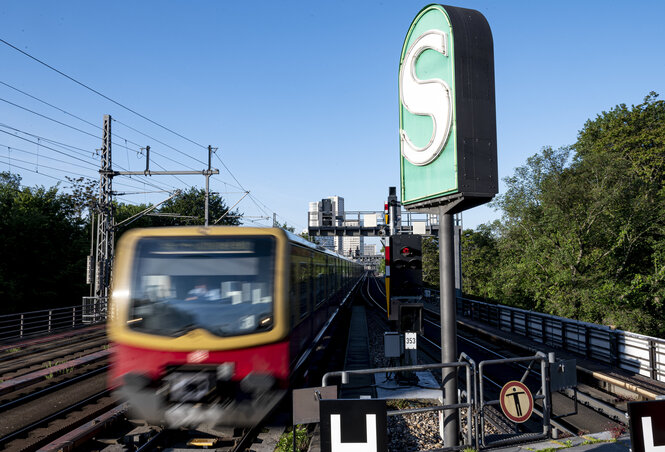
{"points": [[583, 227], [430, 261], [43, 248], [186, 208], [480, 258]]}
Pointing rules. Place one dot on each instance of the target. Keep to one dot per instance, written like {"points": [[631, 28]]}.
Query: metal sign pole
{"points": [[448, 325]]}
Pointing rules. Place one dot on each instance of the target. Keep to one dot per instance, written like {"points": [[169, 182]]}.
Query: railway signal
{"points": [[406, 259]]}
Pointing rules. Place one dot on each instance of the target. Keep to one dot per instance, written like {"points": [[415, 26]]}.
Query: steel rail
{"points": [[52, 388], [18, 433]]}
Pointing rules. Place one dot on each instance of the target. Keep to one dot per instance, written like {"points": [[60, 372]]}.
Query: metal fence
{"points": [[468, 396], [644, 355], [37, 323]]}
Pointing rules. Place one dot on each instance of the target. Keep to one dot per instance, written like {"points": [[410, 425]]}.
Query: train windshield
{"points": [[221, 284]]}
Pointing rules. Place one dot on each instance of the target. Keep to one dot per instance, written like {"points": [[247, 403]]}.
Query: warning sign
{"points": [[516, 401]]}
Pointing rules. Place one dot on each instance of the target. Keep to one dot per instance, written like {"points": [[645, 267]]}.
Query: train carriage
{"points": [[209, 325]]}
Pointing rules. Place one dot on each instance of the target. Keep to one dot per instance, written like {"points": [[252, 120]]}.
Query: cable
{"points": [[98, 127], [64, 111], [43, 156], [42, 174], [46, 117], [50, 105], [238, 182], [74, 157], [141, 193], [160, 142], [47, 147], [99, 94]]}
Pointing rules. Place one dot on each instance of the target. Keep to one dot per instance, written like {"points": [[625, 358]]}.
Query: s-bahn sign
{"points": [[447, 113]]}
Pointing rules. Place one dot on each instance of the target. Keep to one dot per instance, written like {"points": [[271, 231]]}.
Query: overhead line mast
{"points": [[105, 222]]}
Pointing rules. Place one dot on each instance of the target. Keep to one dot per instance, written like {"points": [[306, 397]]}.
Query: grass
{"points": [[569, 443], [285, 443], [49, 364]]}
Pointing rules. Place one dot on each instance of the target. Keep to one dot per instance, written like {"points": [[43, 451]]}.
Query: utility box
{"points": [[563, 375], [393, 344]]}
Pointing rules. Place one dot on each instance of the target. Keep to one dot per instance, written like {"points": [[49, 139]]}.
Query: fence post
{"points": [[652, 360], [49, 320], [512, 321], [614, 349], [21, 333]]}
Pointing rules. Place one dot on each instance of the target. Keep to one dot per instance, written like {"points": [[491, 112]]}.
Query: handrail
{"points": [[634, 352], [47, 321]]}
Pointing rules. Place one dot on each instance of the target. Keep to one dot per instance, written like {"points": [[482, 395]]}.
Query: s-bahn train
{"points": [[208, 324]]}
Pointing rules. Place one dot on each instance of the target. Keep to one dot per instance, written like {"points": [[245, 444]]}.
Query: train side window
{"points": [[310, 281], [320, 278], [303, 283], [293, 288]]}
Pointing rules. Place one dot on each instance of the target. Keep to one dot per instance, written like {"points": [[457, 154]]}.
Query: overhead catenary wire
{"points": [[45, 157], [128, 109], [69, 146], [47, 147], [160, 142], [48, 140], [49, 118], [49, 104], [62, 153], [33, 171], [14, 159], [100, 94], [138, 146]]}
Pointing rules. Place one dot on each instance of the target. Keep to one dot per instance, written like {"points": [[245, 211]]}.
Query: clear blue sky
{"points": [[299, 97]]}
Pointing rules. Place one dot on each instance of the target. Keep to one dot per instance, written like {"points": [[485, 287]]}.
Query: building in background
{"points": [[330, 212]]}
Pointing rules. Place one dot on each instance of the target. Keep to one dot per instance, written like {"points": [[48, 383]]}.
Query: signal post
{"points": [[447, 118]]}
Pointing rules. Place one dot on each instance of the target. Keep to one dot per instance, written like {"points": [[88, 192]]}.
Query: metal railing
{"points": [[468, 395], [94, 309], [644, 355], [542, 395], [36, 323]]}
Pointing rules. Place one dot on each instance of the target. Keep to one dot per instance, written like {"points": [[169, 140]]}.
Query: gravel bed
{"points": [[412, 432]]}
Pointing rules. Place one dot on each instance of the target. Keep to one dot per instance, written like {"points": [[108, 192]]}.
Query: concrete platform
{"points": [[426, 388], [601, 442]]}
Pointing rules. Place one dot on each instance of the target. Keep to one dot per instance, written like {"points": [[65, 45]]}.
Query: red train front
{"points": [[207, 324]]}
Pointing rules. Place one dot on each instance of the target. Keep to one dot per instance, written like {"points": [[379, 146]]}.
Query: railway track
{"points": [[13, 365], [604, 416]]}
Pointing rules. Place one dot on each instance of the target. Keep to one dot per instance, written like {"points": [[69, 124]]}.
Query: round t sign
{"points": [[516, 401]]}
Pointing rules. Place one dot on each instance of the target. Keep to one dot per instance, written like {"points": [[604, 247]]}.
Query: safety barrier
{"points": [[543, 395], [37, 323], [474, 396], [467, 395], [644, 355]]}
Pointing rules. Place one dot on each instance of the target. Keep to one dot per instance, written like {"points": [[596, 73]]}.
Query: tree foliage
{"points": [[46, 237], [43, 247], [583, 227]]}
